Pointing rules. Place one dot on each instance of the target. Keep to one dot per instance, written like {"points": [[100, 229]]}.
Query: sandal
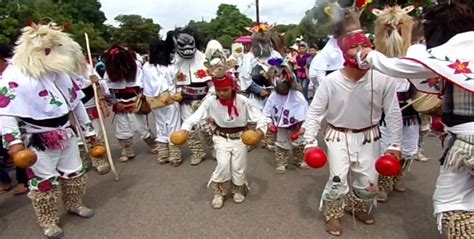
{"points": [[5, 188], [20, 189], [333, 227], [399, 187], [155, 150], [124, 158], [382, 197], [364, 217]]}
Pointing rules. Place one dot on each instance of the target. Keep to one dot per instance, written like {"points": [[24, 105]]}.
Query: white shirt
{"points": [[158, 79], [415, 72], [347, 104], [211, 107], [83, 81], [249, 62], [124, 84]]}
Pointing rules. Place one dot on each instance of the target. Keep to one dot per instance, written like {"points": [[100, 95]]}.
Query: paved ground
{"points": [[155, 201]]}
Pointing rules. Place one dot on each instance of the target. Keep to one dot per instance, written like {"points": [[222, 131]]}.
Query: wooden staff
{"points": [[101, 119], [414, 101]]}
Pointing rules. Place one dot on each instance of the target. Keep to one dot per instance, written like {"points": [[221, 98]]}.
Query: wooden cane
{"points": [[101, 119]]}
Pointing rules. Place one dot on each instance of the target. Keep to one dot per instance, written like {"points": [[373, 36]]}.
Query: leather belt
{"points": [[345, 130]]}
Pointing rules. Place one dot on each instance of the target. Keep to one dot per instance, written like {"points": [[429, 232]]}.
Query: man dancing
{"points": [[352, 102], [38, 99]]}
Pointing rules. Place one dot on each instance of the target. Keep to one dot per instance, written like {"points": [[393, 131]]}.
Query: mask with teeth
{"points": [[185, 45], [282, 79]]}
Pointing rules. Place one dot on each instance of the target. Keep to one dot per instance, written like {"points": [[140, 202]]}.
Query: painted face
{"points": [[185, 46], [350, 45]]}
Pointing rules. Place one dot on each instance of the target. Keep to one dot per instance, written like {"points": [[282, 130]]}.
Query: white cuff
{"points": [[394, 147]]}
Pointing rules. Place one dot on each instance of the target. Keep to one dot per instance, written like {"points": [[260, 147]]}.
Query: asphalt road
{"points": [[161, 201]]}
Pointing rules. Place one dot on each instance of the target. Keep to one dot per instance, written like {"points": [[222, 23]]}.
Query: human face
{"points": [[313, 51], [302, 50], [224, 93], [353, 49]]}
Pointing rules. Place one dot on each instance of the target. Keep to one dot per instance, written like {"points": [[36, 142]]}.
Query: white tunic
{"points": [[158, 79], [417, 73], [123, 84], [211, 107], [249, 62], [348, 104]]}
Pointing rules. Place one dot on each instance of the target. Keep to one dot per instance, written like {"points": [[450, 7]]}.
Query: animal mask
{"points": [[45, 48], [393, 30]]}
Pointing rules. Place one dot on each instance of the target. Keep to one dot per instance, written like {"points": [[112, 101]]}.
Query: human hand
{"points": [[395, 153], [95, 79], [364, 52], [15, 149]]}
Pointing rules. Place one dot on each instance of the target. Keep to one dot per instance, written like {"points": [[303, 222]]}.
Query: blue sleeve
{"points": [[254, 88]]}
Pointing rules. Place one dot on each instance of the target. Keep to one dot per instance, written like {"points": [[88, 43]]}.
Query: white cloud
{"points": [[176, 13]]}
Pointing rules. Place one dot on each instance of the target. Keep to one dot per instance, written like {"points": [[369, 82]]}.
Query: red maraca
{"points": [[437, 125], [272, 129], [295, 136], [315, 157], [388, 166]]}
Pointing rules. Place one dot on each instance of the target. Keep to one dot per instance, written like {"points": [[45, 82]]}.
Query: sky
{"points": [[177, 13]]}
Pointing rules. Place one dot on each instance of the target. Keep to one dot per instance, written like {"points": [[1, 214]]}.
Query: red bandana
{"points": [[227, 81], [346, 42]]}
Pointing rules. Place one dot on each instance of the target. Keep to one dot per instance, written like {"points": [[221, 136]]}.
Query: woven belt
{"points": [[195, 91], [227, 135], [345, 130]]}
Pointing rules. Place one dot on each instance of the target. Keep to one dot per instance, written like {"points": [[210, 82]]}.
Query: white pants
{"points": [[283, 139], [410, 136], [98, 129], [188, 109], [127, 124], [231, 158], [168, 120], [350, 154], [51, 162], [454, 192]]}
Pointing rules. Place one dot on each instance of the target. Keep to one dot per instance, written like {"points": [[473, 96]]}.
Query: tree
{"points": [[229, 21], [135, 32], [202, 27], [81, 15], [226, 40]]}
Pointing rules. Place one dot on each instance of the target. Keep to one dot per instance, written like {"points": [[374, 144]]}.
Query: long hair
{"points": [[43, 48], [120, 64], [160, 53], [445, 20], [393, 29]]}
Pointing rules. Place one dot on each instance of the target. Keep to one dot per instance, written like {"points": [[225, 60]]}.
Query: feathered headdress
{"points": [[346, 20], [393, 30]]}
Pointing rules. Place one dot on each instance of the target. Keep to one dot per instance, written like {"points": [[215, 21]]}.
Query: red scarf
{"points": [[227, 81]]}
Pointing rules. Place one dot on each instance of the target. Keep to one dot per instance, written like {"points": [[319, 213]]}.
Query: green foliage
{"points": [[81, 15], [228, 24], [135, 32], [226, 40]]}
